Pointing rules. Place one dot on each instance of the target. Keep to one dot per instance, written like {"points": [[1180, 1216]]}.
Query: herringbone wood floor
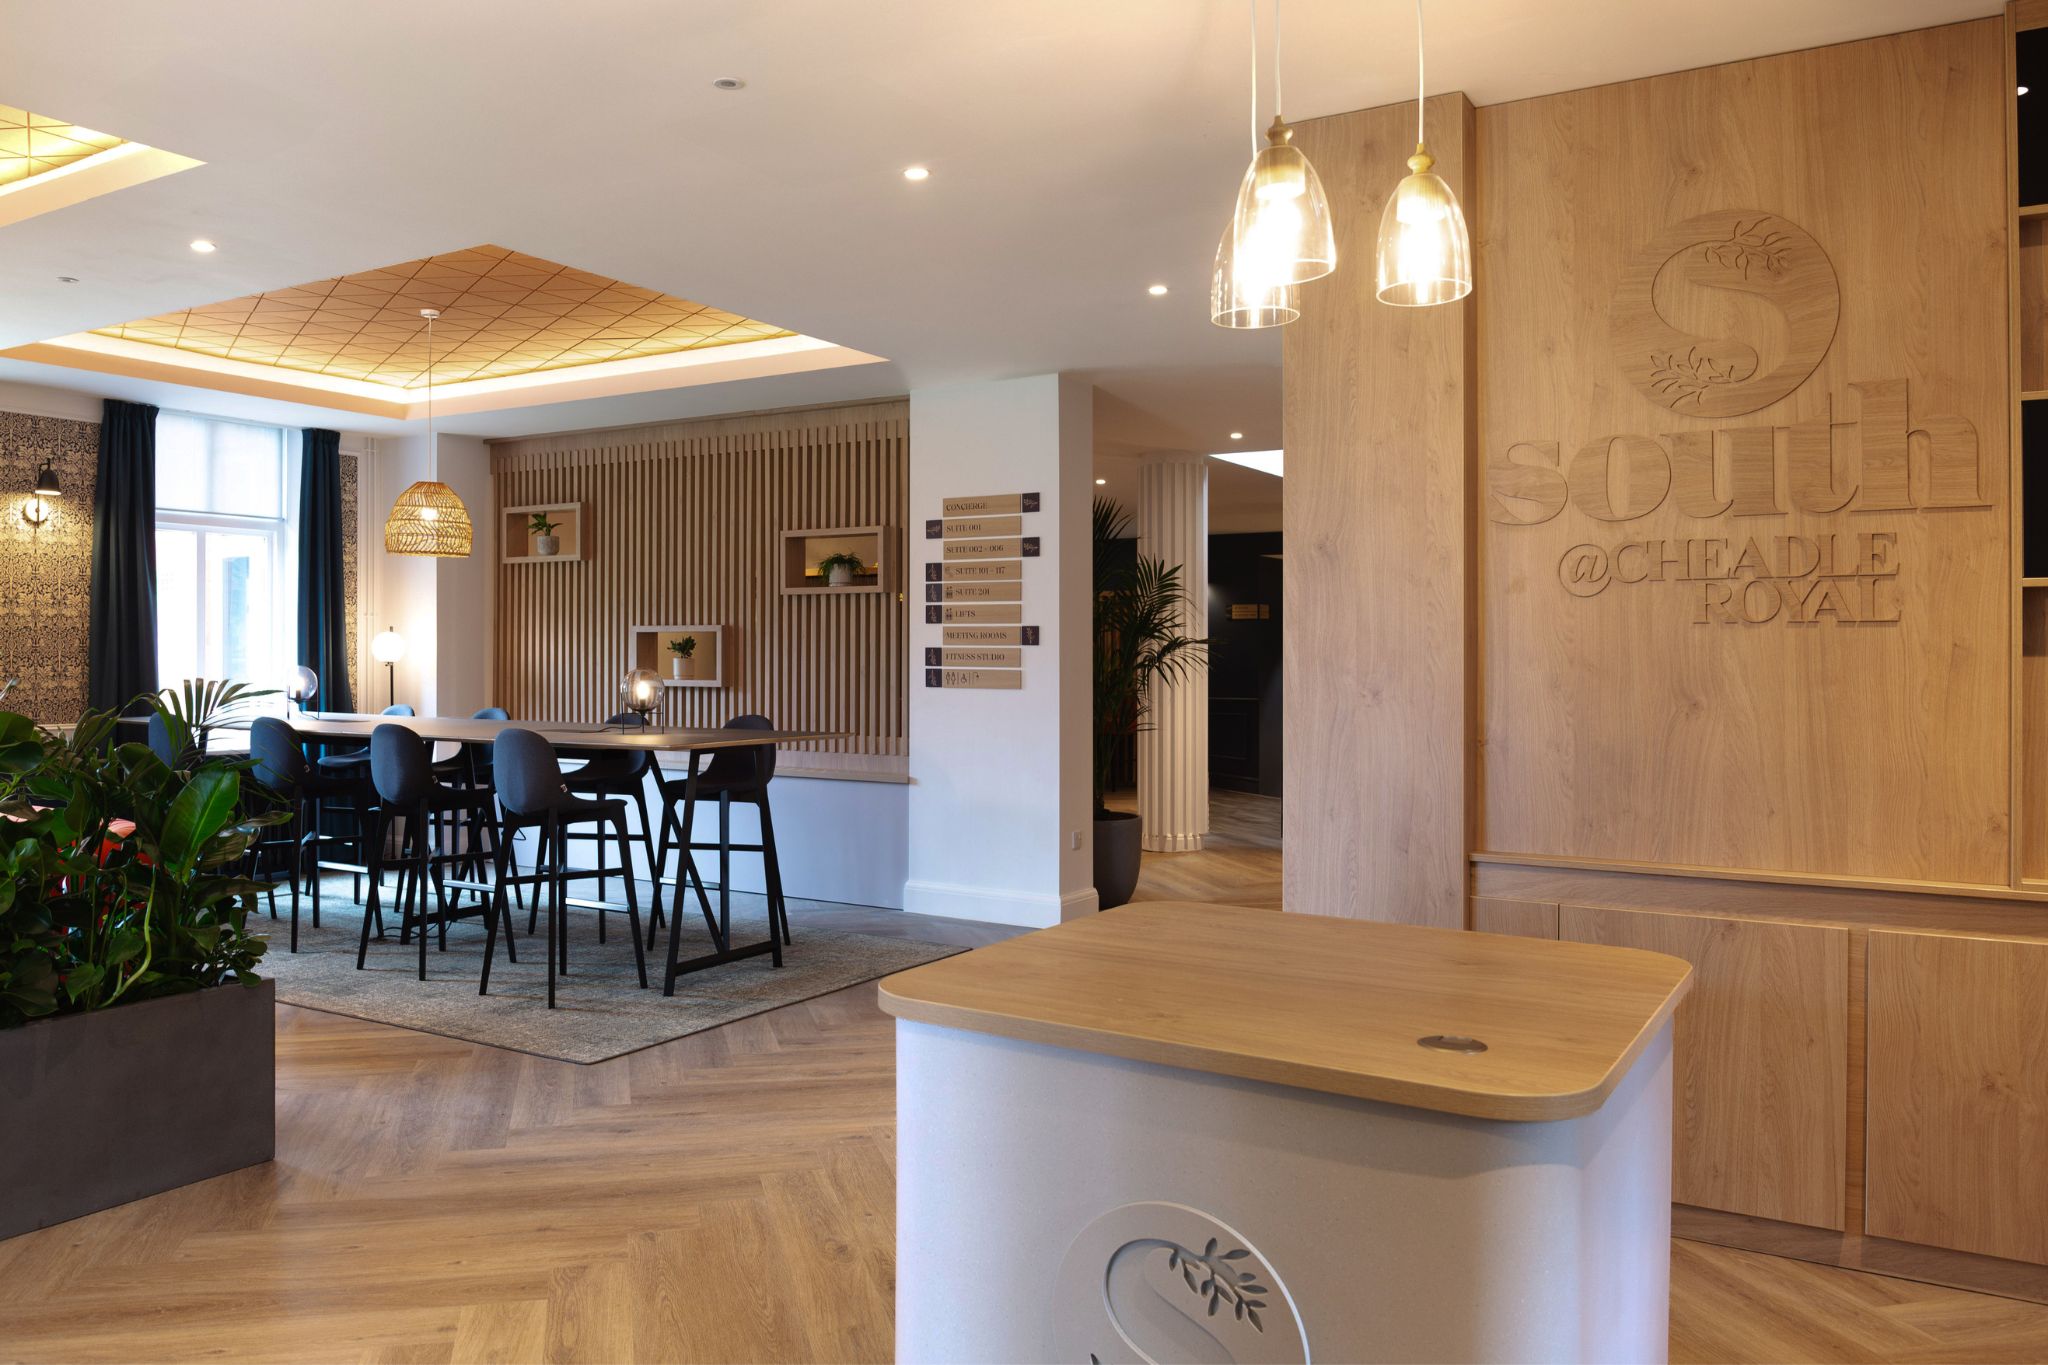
{"points": [[725, 1197]]}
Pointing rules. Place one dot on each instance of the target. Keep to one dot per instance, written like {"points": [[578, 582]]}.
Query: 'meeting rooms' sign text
{"points": [[1878, 459]]}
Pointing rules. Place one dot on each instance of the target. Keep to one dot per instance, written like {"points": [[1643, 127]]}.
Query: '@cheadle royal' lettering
{"points": [[1880, 459], [1828, 579]]}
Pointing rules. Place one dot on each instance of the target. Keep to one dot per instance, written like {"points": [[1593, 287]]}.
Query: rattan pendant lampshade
{"points": [[428, 518]]}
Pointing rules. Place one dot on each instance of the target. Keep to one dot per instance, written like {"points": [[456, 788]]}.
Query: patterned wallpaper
{"points": [[352, 572], [46, 573]]}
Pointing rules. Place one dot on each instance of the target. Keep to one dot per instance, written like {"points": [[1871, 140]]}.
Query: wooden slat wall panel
{"points": [[686, 524]]}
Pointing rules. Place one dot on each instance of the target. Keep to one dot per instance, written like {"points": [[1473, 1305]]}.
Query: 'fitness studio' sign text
{"points": [[1876, 460]]}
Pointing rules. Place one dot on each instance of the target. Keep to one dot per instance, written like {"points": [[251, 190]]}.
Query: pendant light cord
{"points": [[433, 455], [1253, 8], [1279, 91], [1421, 85]]}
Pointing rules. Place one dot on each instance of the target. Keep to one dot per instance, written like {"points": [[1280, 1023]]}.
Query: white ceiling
{"points": [[1080, 150]]}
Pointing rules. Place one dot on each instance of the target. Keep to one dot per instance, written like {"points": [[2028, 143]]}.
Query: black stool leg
{"points": [[632, 897], [778, 906], [548, 835], [376, 885]]}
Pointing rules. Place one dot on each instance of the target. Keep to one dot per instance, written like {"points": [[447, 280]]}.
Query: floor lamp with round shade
{"points": [[387, 649]]}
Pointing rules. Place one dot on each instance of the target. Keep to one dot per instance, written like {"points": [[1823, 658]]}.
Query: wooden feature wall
{"points": [[1377, 510], [685, 524], [1738, 320]]}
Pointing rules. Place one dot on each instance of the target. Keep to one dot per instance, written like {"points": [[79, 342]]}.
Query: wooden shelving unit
{"points": [[706, 666], [801, 551], [516, 543], [2027, 191]]}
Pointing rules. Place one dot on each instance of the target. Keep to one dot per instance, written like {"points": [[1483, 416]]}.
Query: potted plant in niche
{"points": [[680, 649], [135, 1035], [546, 543], [838, 570], [1138, 643]]}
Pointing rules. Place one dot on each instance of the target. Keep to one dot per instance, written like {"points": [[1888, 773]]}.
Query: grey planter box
{"points": [[98, 1109]]}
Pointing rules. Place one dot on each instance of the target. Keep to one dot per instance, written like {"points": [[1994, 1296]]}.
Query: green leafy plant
{"points": [[683, 647], [850, 562], [1138, 641], [119, 873], [539, 525]]}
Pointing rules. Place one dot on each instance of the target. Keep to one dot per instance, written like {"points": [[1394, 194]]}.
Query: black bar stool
{"points": [[615, 773], [356, 799], [737, 774], [531, 795], [402, 771], [282, 767]]}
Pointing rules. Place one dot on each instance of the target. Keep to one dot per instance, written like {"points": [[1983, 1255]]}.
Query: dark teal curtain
{"points": [[121, 636], [323, 620]]}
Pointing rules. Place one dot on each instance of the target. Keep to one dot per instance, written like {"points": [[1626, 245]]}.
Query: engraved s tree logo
{"points": [[1725, 313], [1157, 1281]]}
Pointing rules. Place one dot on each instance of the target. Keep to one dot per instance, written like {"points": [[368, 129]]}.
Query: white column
{"points": [[1000, 816], [1173, 755]]}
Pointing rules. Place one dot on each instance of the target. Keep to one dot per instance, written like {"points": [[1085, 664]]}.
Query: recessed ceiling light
{"points": [[204, 247], [728, 83], [1100, 482], [1237, 436], [916, 173], [1156, 290]]}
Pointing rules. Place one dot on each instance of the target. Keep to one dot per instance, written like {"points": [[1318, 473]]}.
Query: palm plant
{"points": [[1138, 640]]}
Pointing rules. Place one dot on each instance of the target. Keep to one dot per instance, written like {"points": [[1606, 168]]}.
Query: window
{"points": [[224, 600]]}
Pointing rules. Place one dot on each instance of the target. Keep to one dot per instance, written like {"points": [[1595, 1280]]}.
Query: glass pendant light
{"points": [[1425, 253], [1280, 233], [428, 518]]}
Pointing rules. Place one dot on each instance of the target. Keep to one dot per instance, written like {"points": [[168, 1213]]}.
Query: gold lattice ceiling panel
{"points": [[502, 314], [31, 144]]}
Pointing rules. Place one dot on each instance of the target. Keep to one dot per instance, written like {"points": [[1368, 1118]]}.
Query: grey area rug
{"points": [[600, 1011]]}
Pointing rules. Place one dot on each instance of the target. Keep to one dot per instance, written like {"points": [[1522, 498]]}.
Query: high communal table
{"points": [[1199, 1132], [328, 725]]}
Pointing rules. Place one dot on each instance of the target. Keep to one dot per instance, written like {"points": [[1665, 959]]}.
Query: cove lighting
{"points": [[1265, 461]]}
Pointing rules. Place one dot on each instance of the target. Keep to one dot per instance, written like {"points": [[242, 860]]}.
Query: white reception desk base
{"points": [[1065, 1203]]}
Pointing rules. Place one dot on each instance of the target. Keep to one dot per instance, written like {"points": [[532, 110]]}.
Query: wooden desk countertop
{"points": [[1324, 1004]]}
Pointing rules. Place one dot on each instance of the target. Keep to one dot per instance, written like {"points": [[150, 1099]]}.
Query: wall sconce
{"points": [[38, 507]]}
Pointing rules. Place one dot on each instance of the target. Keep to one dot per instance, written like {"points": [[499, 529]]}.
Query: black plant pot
{"points": [[1117, 852], [101, 1108]]}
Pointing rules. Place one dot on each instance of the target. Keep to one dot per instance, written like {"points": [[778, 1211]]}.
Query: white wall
{"points": [[1000, 825], [441, 606]]}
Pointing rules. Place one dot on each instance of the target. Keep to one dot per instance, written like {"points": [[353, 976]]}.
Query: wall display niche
{"points": [[524, 544], [654, 647], [802, 551]]}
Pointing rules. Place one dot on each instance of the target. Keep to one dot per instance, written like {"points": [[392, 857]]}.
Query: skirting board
{"points": [[1903, 1260], [996, 907]]}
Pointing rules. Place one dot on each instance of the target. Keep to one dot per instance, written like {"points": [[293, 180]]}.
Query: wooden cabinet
{"points": [[1524, 919], [1760, 1098], [1958, 1093]]}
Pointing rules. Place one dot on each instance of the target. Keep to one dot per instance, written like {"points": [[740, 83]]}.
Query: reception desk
{"points": [[1197, 1132]]}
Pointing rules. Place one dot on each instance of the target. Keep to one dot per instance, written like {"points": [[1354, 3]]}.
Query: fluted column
{"points": [[1173, 755]]}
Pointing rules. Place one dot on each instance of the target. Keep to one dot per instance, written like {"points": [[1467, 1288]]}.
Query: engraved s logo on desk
{"points": [[1164, 1282]]}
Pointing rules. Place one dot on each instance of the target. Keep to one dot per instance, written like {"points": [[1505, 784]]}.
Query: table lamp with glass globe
{"points": [[302, 686], [640, 692]]}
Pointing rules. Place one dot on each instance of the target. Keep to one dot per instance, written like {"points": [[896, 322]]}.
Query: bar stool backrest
{"points": [[528, 775], [491, 713], [399, 710], [743, 770], [399, 766], [280, 765], [160, 744]]}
